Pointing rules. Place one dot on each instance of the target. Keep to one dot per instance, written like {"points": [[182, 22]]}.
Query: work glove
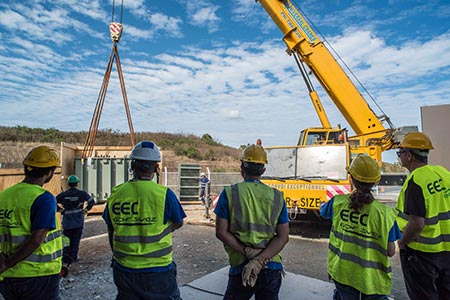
{"points": [[251, 271], [251, 252]]}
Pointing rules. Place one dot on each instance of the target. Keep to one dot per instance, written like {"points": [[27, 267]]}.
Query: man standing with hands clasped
{"points": [[252, 222], [424, 218]]}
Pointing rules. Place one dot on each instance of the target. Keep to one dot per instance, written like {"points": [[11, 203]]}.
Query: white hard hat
{"points": [[202, 174], [146, 150]]}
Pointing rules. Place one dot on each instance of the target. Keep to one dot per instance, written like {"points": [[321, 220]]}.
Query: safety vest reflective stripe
{"points": [[12, 239], [251, 226], [154, 254], [445, 216], [359, 260], [402, 215], [432, 241], [142, 239], [357, 241], [44, 258], [73, 211], [20, 239], [52, 235]]}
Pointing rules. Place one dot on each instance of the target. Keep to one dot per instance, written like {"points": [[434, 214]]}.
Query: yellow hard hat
{"points": [[364, 169], [254, 154], [41, 157], [416, 140]]}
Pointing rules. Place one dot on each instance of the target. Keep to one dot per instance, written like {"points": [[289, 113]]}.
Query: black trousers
{"points": [[426, 275], [70, 253]]}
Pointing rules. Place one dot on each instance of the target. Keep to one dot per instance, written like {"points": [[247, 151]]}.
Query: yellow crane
{"points": [[314, 170]]}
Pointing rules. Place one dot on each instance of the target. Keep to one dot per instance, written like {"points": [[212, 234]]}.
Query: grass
{"points": [[15, 142]]}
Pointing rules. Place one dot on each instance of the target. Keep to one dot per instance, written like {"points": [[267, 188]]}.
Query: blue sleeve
{"points": [[326, 210], [43, 212], [173, 210], [60, 197], [284, 217], [90, 201], [394, 233], [106, 217], [221, 209]]}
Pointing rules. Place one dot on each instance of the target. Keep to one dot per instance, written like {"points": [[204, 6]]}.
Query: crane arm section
{"points": [[301, 39]]}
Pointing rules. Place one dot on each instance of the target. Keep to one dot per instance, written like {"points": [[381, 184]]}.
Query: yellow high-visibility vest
{"points": [[141, 239], [254, 211], [435, 184], [15, 228], [357, 254]]}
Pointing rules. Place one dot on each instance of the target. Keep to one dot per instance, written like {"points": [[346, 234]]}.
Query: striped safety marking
{"points": [[115, 30], [215, 200], [333, 190]]}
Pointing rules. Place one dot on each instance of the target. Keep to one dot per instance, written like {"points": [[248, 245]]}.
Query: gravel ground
{"points": [[197, 252]]}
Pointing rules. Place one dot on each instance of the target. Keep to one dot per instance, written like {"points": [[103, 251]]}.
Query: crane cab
{"points": [[322, 136]]}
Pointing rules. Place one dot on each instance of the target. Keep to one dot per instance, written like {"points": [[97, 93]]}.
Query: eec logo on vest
{"points": [[127, 213], [5, 213], [435, 187], [125, 208], [354, 217]]}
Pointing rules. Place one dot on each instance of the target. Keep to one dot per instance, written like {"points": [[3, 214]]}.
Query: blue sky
{"points": [[216, 67]]}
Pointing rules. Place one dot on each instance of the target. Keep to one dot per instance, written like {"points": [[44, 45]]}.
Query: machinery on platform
{"points": [[314, 170]]}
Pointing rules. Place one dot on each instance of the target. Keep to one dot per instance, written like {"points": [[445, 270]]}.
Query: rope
{"points": [[114, 5], [121, 11]]}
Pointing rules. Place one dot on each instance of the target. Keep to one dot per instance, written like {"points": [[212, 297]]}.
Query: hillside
{"points": [[15, 142]]}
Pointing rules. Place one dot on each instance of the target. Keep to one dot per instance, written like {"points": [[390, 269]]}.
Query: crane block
{"points": [[115, 30]]}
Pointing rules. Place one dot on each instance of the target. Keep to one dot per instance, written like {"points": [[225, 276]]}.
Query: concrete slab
{"points": [[294, 286]]}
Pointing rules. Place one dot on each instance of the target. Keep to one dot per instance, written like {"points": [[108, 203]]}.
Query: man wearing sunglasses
{"points": [[424, 219]]}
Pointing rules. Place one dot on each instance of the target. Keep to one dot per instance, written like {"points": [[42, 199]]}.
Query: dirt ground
{"points": [[197, 252]]}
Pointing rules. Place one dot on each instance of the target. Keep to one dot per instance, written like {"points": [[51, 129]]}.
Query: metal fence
{"points": [[218, 181]]}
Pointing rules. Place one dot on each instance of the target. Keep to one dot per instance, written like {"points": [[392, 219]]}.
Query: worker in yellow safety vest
{"points": [[141, 215], [424, 218], [362, 236], [252, 222], [30, 233]]}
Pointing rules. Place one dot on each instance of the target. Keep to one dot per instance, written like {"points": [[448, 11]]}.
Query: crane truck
{"points": [[314, 170]]}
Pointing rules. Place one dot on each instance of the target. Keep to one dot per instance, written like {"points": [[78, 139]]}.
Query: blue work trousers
{"points": [[70, 253], [146, 285], [346, 292], [31, 288], [267, 286]]}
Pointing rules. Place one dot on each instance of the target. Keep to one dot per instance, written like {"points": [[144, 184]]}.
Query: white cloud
{"points": [[231, 114], [236, 91], [169, 25], [203, 14]]}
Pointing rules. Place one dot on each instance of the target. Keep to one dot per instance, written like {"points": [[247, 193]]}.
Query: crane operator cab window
{"points": [[316, 138], [323, 137], [312, 138], [338, 137]]}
